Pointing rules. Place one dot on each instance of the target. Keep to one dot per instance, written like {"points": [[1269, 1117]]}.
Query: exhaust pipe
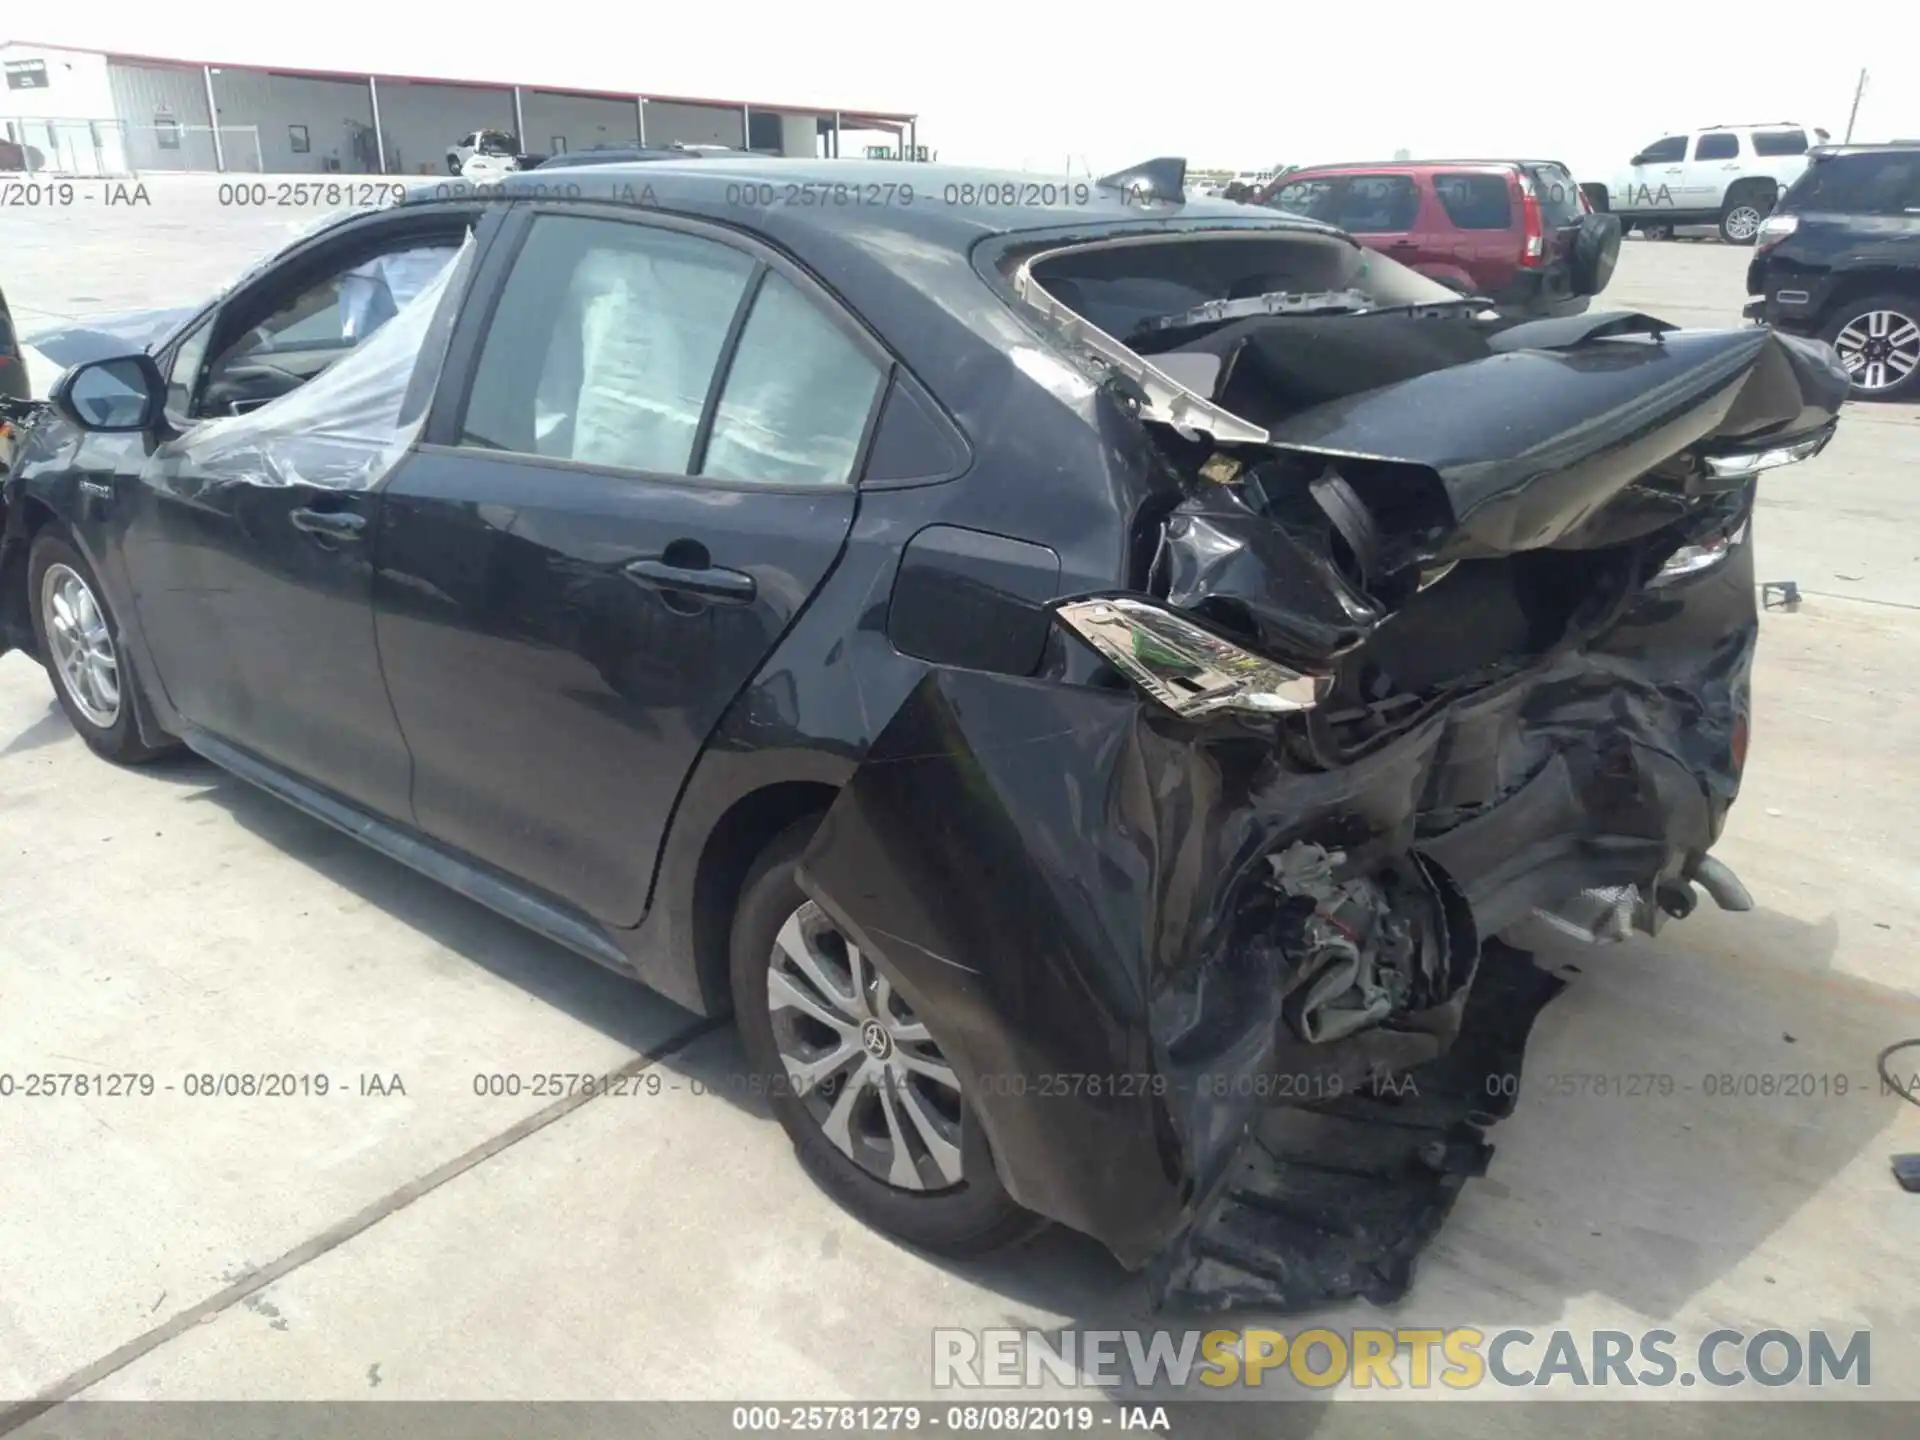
{"points": [[1721, 883]]}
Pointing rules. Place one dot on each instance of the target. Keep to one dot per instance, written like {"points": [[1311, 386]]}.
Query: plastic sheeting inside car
{"points": [[349, 425]]}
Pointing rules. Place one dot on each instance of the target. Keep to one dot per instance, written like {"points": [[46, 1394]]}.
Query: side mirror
{"points": [[1639, 159], [123, 395]]}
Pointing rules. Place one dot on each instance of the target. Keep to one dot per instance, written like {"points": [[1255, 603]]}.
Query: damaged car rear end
{"points": [[1298, 629]]}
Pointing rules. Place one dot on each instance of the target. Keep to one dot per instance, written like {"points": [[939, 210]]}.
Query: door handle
{"points": [[328, 524], [1403, 245], [711, 583]]}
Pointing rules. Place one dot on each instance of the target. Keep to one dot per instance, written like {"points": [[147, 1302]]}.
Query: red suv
{"points": [[1516, 231]]}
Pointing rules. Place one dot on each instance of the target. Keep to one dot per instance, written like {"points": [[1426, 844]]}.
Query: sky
{"points": [[1240, 85]]}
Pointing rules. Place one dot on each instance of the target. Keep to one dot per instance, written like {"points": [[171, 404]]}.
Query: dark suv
{"points": [[1519, 232], [14, 388], [1839, 258]]}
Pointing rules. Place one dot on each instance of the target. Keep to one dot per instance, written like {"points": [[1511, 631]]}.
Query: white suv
{"points": [[1725, 175]]}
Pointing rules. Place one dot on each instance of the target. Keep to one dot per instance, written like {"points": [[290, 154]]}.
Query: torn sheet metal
{"points": [[1111, 891], [349, 425]]}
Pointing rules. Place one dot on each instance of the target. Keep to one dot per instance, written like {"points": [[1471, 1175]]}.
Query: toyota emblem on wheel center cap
{"points": [[874, 1036]]}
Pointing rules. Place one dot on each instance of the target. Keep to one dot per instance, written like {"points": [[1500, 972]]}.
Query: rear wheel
{"points": [[1878, 340], [876, 1114], [79, 639]]}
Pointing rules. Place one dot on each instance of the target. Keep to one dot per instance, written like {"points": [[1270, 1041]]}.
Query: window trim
{"points": [[442, 433]]}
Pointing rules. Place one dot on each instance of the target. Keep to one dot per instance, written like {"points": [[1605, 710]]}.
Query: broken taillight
{"points": [[1189, 670], [1534, 224]]}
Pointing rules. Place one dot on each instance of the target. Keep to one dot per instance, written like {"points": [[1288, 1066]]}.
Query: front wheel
{"points": [[859, 1082], [1878, 341], [79, 640]]}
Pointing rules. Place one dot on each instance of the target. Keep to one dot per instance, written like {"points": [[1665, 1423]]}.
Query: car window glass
{"points": [[1314, 199], [1865, 184], [1475, 201], [1376, 204], [1779, 142], [796, 399], [1674, 147], [1558, 194], [603, 346], [325, 320], [1717, 145], [187, 358]]}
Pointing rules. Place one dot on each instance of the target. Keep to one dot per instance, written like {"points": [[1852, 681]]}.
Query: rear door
{"points": [[1479, 205], [641, 468], [1714, 164]]}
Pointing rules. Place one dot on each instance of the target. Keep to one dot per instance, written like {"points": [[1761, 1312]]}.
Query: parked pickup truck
{"points": [[1727, 176]]}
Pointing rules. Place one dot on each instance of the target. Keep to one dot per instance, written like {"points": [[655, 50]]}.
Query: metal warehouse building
{"points": [[93, 113]]}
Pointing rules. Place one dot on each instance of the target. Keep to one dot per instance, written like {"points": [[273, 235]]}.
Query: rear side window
{"points": [[797, 396], [1377, 204], [1718, 145], [1779, 142], [604, 344], [1869, 184], [608, 340], [1475, 201]]}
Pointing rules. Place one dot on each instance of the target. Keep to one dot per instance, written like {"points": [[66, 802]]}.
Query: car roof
{"points": [[1409, 165], [948, 205], [1890, 147]]}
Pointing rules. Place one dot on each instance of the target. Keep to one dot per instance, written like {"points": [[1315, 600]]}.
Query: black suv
{"points": [[1839, 258], [14, 389]]}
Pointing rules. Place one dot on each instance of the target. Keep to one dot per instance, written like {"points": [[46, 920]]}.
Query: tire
{"points": [[974, 1216], [1596, 251], [453, 164], [1747, 205], [1874, 336], [79, 640], [1656, 232]]}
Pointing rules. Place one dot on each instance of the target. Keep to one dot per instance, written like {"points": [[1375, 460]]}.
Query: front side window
{"points": [[1663, 152], [1717, 145], [317, 325]]}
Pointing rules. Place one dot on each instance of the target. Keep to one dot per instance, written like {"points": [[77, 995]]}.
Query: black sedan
{"points": [[1085, 675]]}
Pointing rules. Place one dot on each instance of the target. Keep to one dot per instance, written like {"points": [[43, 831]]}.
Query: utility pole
{"points": [[1858, 90]]}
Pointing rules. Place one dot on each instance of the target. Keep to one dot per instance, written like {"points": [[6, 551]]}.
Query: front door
{"points": [[1654, 178], [649, 475], [247, 533]]}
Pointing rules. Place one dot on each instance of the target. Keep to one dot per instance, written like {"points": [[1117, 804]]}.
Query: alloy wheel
{"points": [[1742, 223], [860, 1061], [81, 643], [1880, 349]]}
